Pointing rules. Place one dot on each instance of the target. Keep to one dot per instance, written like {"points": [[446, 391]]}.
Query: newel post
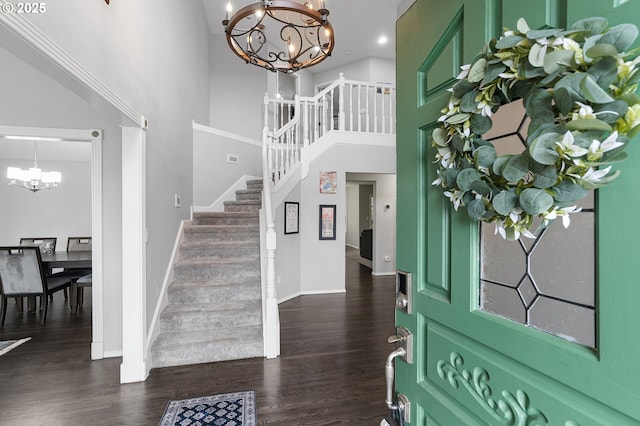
{"points": [[341, 113]]}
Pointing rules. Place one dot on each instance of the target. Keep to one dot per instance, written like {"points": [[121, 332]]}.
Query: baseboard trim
{"points": [[382, 274]]}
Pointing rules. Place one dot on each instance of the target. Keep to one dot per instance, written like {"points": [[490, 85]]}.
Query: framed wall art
{"points": [[327, 221], [328, 182], [291, 217]]}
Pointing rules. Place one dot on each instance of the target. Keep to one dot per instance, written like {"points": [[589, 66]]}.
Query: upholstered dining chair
{"points": [[22, 275], [47, 245], [79, 244]]}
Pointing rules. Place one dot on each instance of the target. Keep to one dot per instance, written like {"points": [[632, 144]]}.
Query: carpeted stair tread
{"points": [[177, 348], [209, 316], [226, 214], [220, 228], [187, 292], [215, 261], [242, 305], [218, 244]]}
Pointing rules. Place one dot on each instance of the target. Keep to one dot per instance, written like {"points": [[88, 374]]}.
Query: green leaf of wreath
{"points": [[568, 192], [480, 124], [591, 26], [554, 60], [504, 202], [498, 165], [461, 87], [466, 177], [621, 36], [440, 136], [492, 72], [543, 148], [564, 100], [611, 112], [485, 155], [535, 201], [476, 209], [457, 118], [477, 70], [588, 124], [545, 177], [601, 50], [593, 92], [516, 168], [468, 102], [605, 72], [508, 41]]}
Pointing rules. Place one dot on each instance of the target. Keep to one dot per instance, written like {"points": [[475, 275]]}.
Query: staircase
{"points": [[214, 310]]}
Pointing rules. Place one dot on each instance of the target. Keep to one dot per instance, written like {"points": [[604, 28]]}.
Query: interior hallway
{"points": [[330, 372]]}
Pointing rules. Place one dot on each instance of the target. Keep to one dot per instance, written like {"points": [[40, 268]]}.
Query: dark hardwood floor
{"points": [[330, 372]]}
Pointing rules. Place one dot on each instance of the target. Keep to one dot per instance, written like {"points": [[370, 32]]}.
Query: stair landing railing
{"points": [[290, 125]]}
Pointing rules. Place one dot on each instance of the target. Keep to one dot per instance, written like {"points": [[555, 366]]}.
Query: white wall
{"points": [[212, 174], [30, 98], [237, 92], [61, 212], [322, 262], [155, 56], [370, 69], [288, 252]]}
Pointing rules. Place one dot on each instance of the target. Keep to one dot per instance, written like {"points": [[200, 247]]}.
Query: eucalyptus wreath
{"points": [[578, 88]]}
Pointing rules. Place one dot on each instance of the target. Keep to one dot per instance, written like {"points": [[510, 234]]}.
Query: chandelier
{"points": [[34, 179], [280, 35]]}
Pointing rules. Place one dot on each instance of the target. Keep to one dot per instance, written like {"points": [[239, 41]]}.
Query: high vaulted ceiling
{"points": [[357, 26]]}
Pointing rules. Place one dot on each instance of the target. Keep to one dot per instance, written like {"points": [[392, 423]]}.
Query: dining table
{"points": [[67, 259]]}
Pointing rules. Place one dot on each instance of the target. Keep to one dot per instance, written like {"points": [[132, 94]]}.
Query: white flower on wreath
{"points": [[464, 71], [597, 148], [564, 212], [518, 230], [568, 148], [594, 176], [455, 197]]}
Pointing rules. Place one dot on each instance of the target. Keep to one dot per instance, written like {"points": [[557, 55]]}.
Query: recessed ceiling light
{"points": [[383, 39]]}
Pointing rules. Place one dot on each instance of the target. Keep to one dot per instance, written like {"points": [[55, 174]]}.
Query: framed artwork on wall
{"points": [[291, 217], [328, 182], [327, 221]]}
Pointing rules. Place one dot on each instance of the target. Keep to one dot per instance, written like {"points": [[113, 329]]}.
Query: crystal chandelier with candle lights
{"points": [[33, 179], [280, 35]]}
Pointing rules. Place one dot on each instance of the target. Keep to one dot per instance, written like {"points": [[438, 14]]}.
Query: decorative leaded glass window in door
{"points": [[548, 282]]}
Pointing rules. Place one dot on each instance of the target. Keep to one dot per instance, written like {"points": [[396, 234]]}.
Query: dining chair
{"points": [[79, 244], [47, 246], [79, 285], [22, 275]]}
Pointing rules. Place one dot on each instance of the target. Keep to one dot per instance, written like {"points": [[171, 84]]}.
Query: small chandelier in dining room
{"points": [[33, 179], [280, 35]]}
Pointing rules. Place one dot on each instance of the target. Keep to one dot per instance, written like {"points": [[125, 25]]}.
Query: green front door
{"points": [[475, 363]]}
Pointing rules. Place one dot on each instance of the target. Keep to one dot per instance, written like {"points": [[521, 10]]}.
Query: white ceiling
{"points": [[357, 24]]}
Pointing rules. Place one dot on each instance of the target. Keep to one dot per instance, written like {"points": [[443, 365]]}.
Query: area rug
{"points": [[7, 345], [229, 409]]}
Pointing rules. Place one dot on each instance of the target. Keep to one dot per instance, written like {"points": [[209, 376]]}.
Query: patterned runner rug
{"points": [[7, 345], [229, 409]]}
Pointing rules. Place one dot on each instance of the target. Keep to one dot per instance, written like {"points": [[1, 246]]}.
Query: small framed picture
{"points": [[291, 217], [328, 182], [327, 221]]}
